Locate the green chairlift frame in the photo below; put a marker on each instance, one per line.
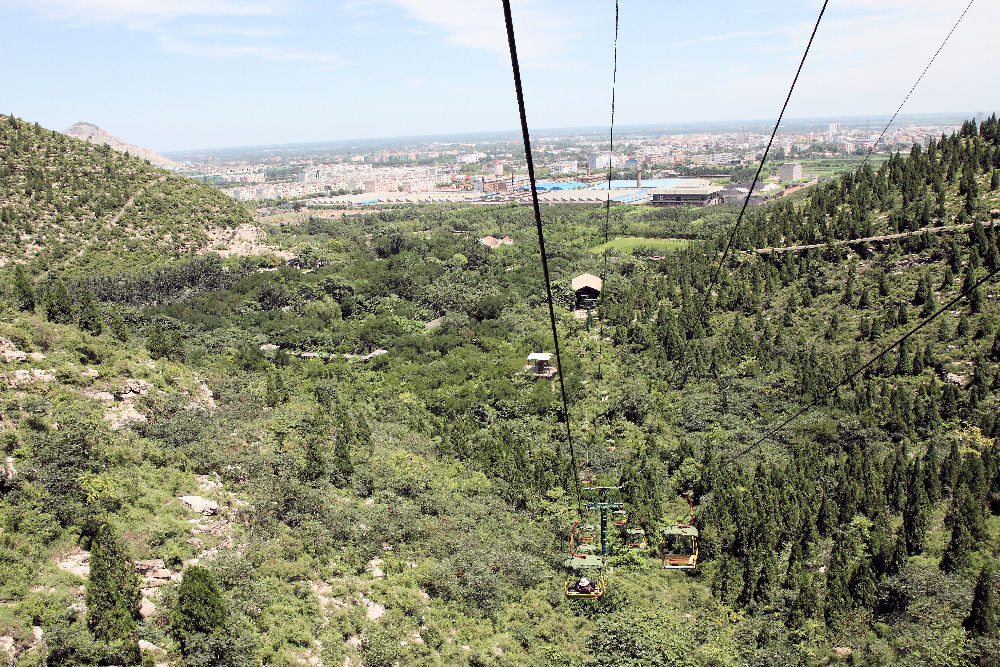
(583, 559)
(681, 561)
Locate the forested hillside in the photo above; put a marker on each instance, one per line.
(70, 205)
(215, 462)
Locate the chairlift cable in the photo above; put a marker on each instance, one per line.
(770, 434)
(607, 209)
(916, 83)
(526, 137)
(798, 413)
(763, 159)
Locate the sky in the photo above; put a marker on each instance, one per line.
(187, 74)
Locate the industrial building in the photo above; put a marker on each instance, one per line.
(686, 195)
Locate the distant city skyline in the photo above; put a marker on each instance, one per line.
(194, 74)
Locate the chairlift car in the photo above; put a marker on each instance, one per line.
(581, 570)
(635, 539)
(684, 531)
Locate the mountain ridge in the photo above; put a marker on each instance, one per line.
(93, 133)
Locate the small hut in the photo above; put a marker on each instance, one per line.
(541, 364)
(588, 289)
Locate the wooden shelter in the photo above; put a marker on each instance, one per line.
(588, 289)
(541, 364)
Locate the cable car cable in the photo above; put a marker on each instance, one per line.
(864, 367)
(919, 78)
(526, 137)
(763, 159)
(770, 434)
(607, 207)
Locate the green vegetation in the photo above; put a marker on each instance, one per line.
(291, 495)
(638, 246)
(69, 204)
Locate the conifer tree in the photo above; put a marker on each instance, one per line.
(199, 609)
(24, 291)
(948, 279)
(341, 467)
(865, 301)
(116, 323)
(89, 319)
(984, 619)
(112, 597)
(274, 391)
(58, 305)
(957, 556)
(916, 513)
(975, 301)
(156, 342)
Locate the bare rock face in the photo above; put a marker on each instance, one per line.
(201, 505)
(92, 134)
(123, 415)
(77, 562)
(147, 608)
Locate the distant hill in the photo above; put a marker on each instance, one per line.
(95, 135)
(82, 207)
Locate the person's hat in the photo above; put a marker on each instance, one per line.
(584, 581)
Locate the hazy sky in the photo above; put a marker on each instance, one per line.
(177, 74)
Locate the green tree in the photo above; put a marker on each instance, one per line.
(958, 554)
(199, 609)
(274, 391)
(341, 467)
(916, 514)
(24, 291)
(112, 597)
(116, 323)
(157, 343)
(89, 319)
(984, 619)
(58, 305)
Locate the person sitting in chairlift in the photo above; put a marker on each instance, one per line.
(585, 586)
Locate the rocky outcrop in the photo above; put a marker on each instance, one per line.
(92, 134)
(201, 505)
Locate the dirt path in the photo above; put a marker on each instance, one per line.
(884, 237)
(128, 202)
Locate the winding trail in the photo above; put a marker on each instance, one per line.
(884, 237)
(128, 202)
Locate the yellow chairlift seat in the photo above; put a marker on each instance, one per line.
(578, 568)
(635, 539)
(621, 517)
(679, 561)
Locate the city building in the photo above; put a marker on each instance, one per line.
(504, 184)
(604, 160)
(790, 171)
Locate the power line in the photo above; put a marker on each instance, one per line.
(763, 159)
(526, 137)
(919, 79)
(866, 366)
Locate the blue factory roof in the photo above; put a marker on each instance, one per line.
(545, 186)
